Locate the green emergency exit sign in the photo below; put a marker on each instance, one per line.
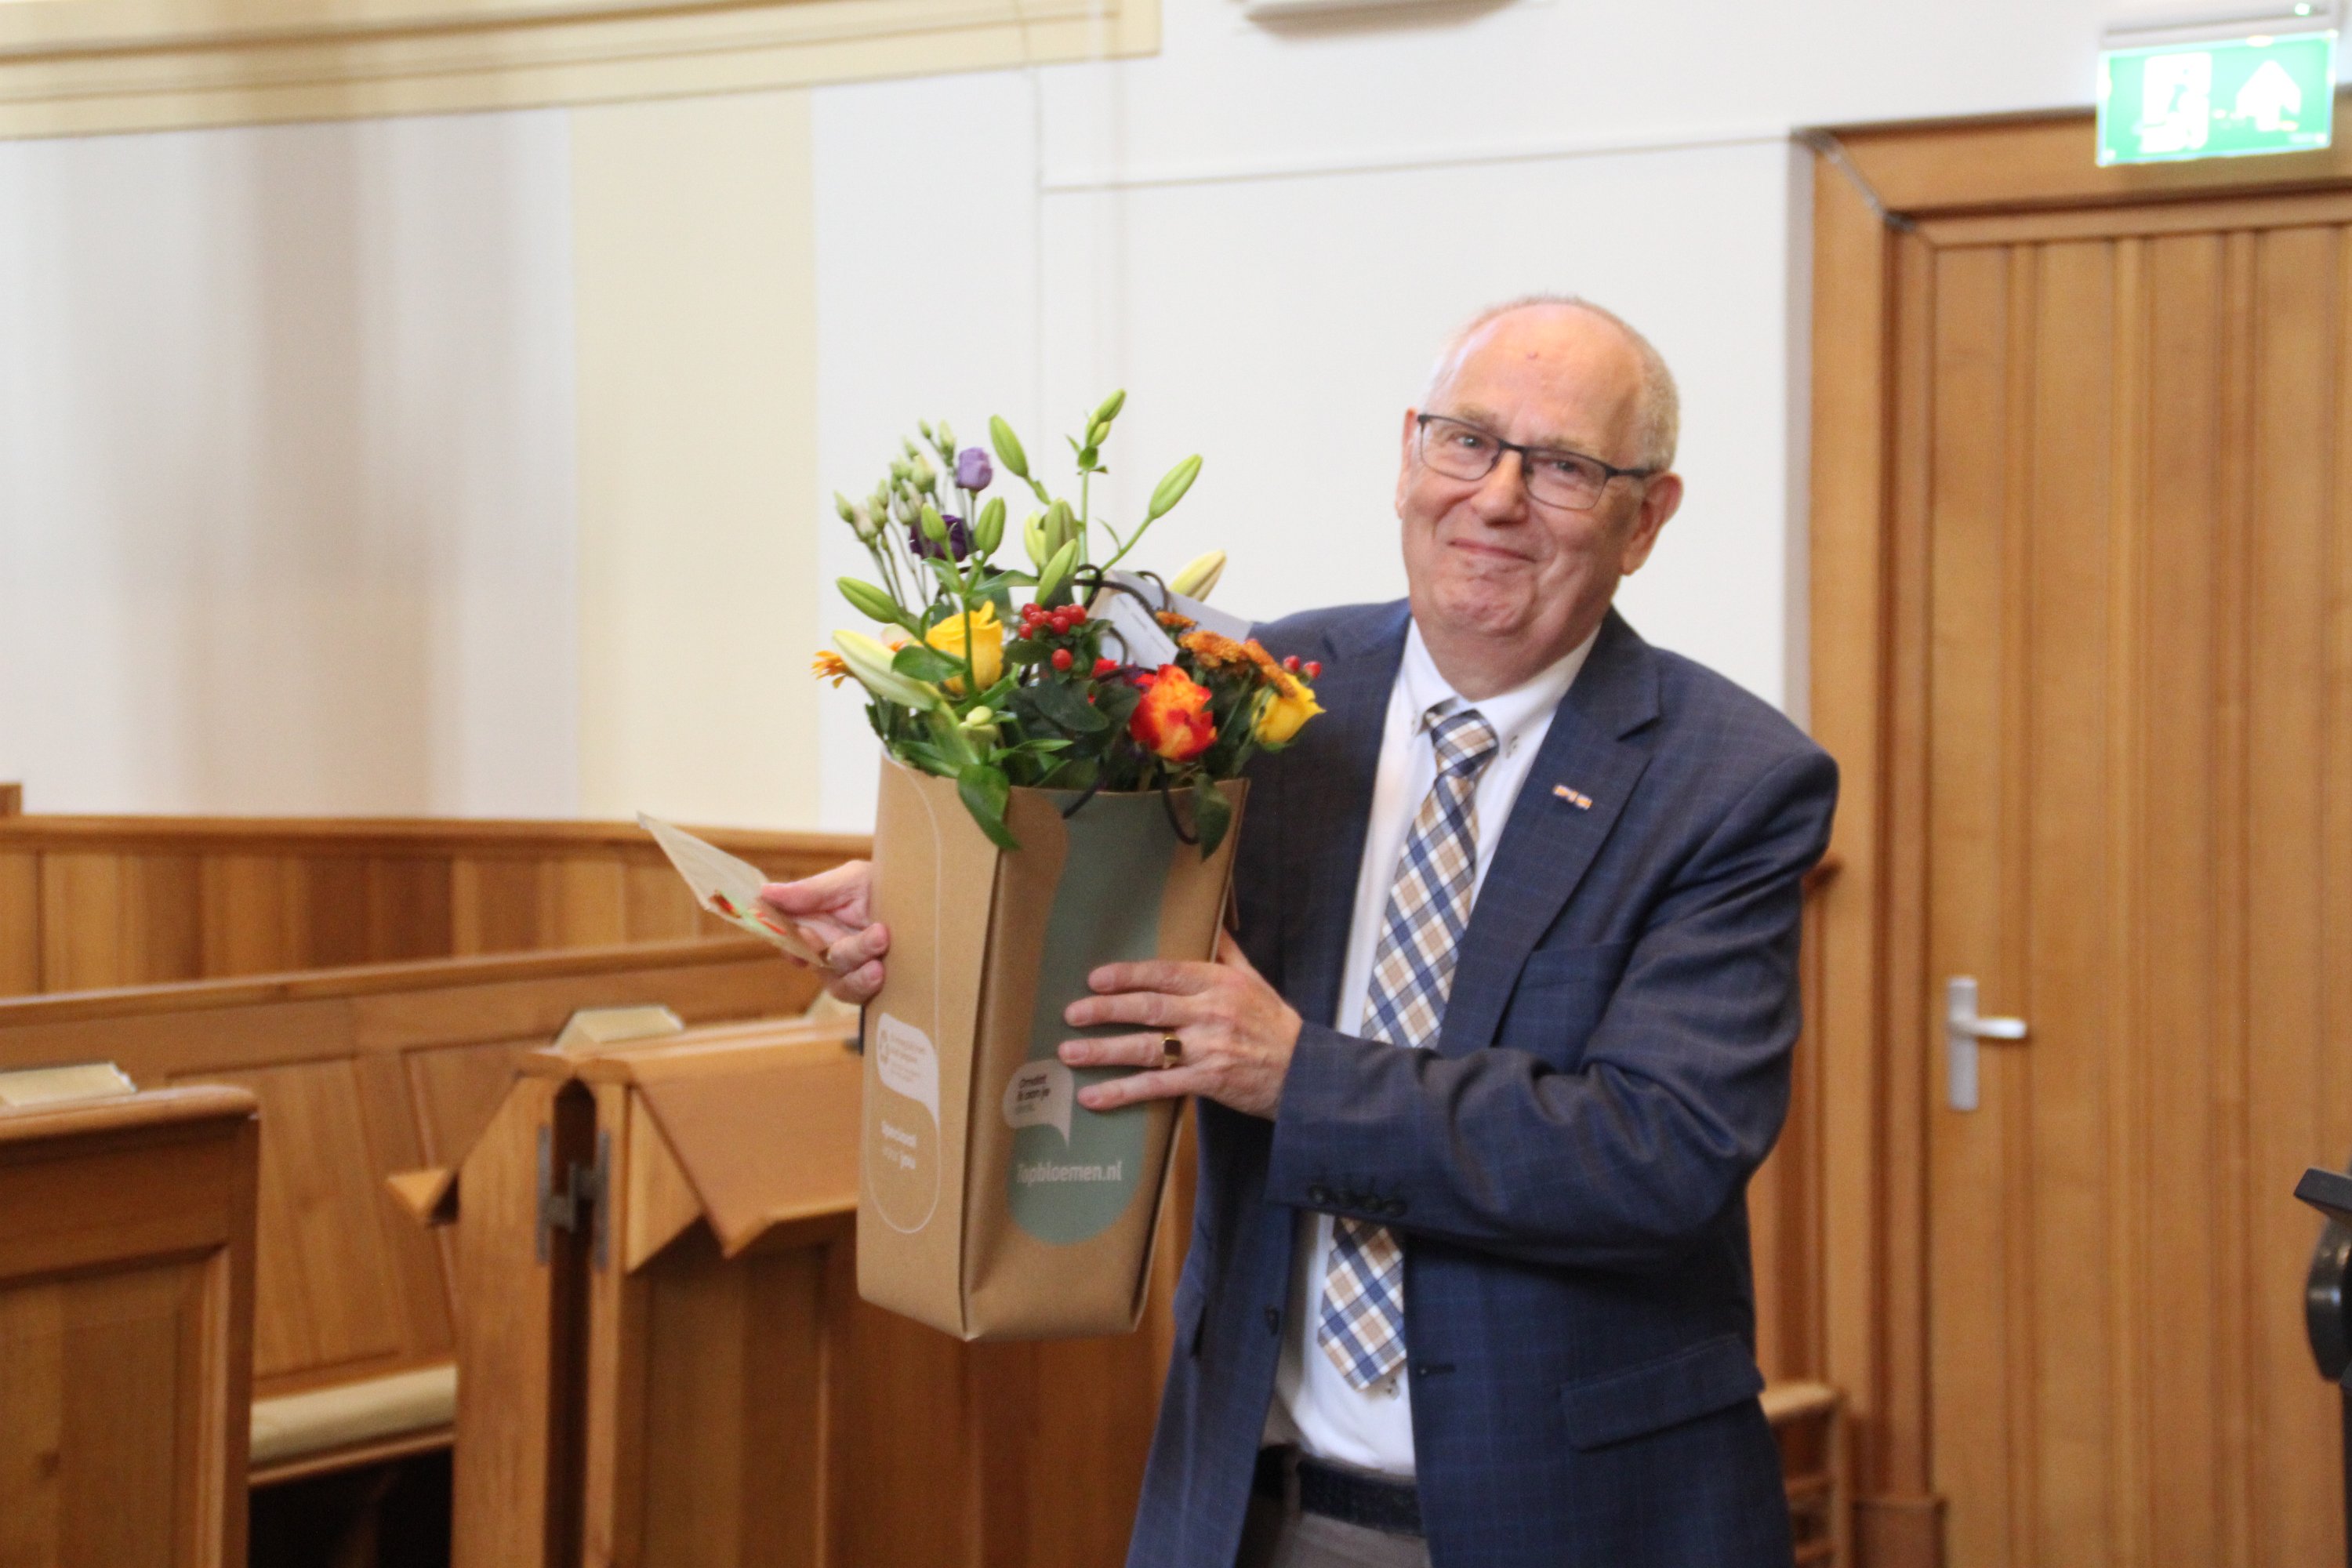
(2224, 99)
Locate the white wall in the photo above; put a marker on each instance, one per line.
(288, 460)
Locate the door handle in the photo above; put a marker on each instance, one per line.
(1962, 1030)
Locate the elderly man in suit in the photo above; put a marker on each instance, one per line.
(1505, 1035)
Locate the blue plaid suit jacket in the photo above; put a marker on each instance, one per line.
(1568, 1165)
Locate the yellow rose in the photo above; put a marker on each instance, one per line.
(1290, 703)
(987, 645)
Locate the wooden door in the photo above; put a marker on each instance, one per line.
(2127, 437)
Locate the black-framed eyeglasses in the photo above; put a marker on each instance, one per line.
(1554, 475)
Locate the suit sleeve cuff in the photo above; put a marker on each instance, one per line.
(1325, 1142)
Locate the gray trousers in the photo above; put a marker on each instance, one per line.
(1277, 1536)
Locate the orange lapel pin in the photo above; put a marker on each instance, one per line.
(1581, 801)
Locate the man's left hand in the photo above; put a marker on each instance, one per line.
(1237, 1032)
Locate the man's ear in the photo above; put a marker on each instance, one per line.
(1660, 502)
(1404, 454)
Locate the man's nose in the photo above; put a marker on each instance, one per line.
(1504, 497)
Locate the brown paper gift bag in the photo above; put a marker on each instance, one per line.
(990, 1205)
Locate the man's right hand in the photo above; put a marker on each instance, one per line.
(834, 910)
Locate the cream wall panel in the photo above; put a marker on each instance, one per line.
(286, 470)
(696, 324)
(927, 283)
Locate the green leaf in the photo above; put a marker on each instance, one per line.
(1117, 702)
(1077, 773)
(1064, 706)
(986, 793)
(924, 662)
(1212, 814)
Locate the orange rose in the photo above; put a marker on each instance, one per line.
(1173, 720)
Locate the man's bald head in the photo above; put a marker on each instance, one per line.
(1658, 423)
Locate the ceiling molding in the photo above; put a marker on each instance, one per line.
(87, 67)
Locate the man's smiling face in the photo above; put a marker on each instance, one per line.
(1484, 561)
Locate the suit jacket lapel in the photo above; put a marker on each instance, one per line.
(1549, 842)
(1330, 801)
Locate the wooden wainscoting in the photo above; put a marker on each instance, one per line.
(88, 903)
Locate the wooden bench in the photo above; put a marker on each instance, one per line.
(88, 903)
(360, 1073)
(126, 1295)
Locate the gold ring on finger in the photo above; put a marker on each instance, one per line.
(1172, 1051)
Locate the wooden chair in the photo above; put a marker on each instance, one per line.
(1809, 1420)
(126, 1306)
(690, 1344)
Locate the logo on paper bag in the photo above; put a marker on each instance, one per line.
(902, 1125)
(1068, 1181)
(1040, 1094)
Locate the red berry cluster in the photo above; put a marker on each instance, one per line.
(1040, 625)
(1313, 667)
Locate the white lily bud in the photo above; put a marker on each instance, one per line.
(1200, 575)
(870, 662)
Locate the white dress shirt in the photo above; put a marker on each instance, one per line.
(1314, 1406)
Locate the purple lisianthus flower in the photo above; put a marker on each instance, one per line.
(958, 546)
(973, 471)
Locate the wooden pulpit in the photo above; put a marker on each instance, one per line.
(663, 1361)
(126, 1328)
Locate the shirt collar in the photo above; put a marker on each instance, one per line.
(1513, 713)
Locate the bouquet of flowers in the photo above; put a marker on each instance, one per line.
(1031, 709)
(965, 686)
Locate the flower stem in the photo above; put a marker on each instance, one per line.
(1133, 540)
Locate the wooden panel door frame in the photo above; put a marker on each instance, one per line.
(1874, 187)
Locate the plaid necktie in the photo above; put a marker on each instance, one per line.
(1362, 1323)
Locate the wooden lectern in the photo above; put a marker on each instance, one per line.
(126, 1328)
(663, 1361)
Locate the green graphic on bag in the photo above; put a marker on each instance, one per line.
(1073, 1170)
